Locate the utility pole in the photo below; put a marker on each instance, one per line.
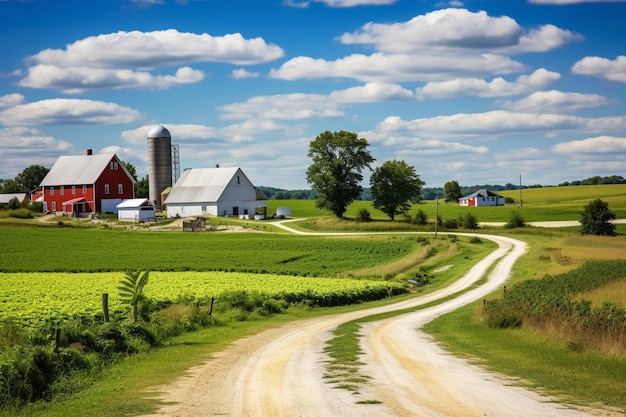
(436, 214)
(520, 191)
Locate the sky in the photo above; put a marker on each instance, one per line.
(476, 91)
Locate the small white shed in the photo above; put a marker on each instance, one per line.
(136, 209)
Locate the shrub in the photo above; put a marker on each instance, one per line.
(595, 219)
(420, 217)
(469, 221)
(21, 213)
(516, 220)
(364, 215)
(13, 204)
(451, 223)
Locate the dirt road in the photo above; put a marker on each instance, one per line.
(280, 372)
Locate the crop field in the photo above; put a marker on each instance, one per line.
(58, 296)
(63, 249)
(539, 204)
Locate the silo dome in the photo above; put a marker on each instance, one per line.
(159, 132)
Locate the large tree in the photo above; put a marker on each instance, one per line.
(595, 219)
(336, 172)
(452, 191)
(395, 185)
(26, 181)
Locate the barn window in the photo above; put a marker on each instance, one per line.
(237, 179)
(52, 190)
(61, 190)
(85, 189)
(54, 206)
(113, 165)
(120, 188)
(106, 188)
(73, 190)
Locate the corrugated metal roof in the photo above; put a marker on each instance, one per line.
(201, 185)
(5, 198)
(77, 169)
(482, 193)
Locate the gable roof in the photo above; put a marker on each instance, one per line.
(481, 193)
(135, 203)
(199, 185)
(78, 169)
(5, 198)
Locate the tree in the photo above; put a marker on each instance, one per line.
(30, 178)
(452, 191)
(130, 168)
(131, 289)
(335, 174)
(395, 185)
(595, 219)
(142, 188)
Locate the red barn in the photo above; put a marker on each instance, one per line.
(78, 185)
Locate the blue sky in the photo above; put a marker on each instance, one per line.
(477, 91)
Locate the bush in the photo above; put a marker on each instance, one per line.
(469, 221)
(364, 216)
(14, 204)
(420, 217)
(451, 223)
(516, 220)
(595, 219)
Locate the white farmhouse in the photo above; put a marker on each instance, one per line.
(216, 192)
(482, 197)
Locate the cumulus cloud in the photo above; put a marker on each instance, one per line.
(67, 111)
(372, 93)
(384, 68)
(242, 73)
(556, 101)
(124, 59)
(75, 80)
(500, 123)
(455, 29)
(597, 145)
(283, 106)
(614, 70)
(10, 100)
(159, 49)
(497, 87)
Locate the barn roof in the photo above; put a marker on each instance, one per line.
(77, 169)
(5, 198)
(482, 193)
(203, 184)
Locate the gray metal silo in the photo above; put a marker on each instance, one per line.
(159, 162)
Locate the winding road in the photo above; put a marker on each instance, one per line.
(281, 371)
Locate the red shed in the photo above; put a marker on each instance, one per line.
(78, 185)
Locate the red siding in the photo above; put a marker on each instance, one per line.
(113, 175)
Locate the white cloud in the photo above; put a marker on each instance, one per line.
(11, 100)
(371, 93)
(159, 49)
(500, 124)
(74, 80)
(283, 106)
(556, 101)
(456, 30)
(396, 68)
(67, 111)
(180, 132)
(498, 87)
(601, 67)
(242, 73)
(597, 145)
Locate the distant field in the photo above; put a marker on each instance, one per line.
(539, 204)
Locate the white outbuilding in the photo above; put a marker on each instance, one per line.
(482, 197)
(136, 209)
(215, 191)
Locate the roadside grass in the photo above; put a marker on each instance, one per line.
(534, 357)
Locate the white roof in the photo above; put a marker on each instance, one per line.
(202, 185)
(5, 198)
(158, 132)
(135, 203)
(77, 169)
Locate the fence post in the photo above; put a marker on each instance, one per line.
(105, 307)
(211, 308)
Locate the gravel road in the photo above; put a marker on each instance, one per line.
(280, 372)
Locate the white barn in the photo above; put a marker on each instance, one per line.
(136, 209)
(482, 197)
(216, 192)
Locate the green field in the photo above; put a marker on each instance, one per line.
(539, 204)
